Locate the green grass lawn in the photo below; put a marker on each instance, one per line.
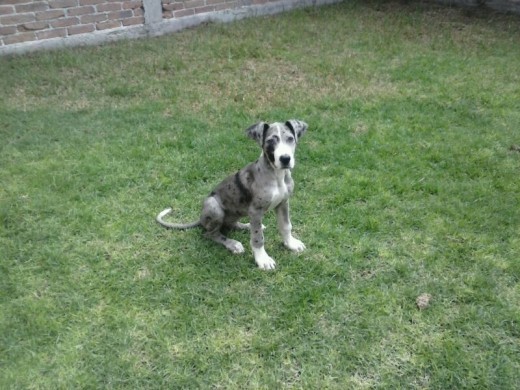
(407, 182)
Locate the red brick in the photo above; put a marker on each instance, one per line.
(132, 4)
(16, 19)
(65, 22)
(32, 26)
(89, 9)
(90, 2)
(63, 3)
(167, 14)
(8, 30)
(32, 7)
(83, 29)
(14, 1)
(52, 14)
(85, 19)
(207, 8)
(133, 21)
(184, 12)
(18, 38)
(193, 3)
(173, 6)
(54, 33)
(6, 9)
(120, 15)
(108, 24)
(139, 12)
(108, 7)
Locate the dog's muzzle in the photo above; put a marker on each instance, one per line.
(285, 161)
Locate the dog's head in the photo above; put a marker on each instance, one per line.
(278, 141)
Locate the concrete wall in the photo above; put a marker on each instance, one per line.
(29, 25)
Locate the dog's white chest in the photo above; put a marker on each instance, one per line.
(278, 195)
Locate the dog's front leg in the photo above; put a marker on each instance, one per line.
(285, 228)
(262, 259)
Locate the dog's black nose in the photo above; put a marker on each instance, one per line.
(285, 160)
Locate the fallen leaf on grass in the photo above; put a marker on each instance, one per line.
(423, 301)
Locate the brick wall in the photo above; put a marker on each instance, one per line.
(26, 20)
(33, 23)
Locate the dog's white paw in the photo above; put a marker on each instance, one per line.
(266, 263)
(263, 260)
(294, 244)
(235, 247)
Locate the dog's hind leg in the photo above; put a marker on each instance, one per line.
(212, 220)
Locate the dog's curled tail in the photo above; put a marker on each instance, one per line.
(169, 225)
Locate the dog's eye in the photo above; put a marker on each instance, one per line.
(290, 139)
(274, 139)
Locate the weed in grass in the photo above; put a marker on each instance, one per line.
(406, 183)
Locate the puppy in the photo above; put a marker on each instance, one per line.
(261, 186)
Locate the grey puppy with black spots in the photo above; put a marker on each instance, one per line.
(263, 185)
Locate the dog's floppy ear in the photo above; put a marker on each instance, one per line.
(297, 127)
(257, 132)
